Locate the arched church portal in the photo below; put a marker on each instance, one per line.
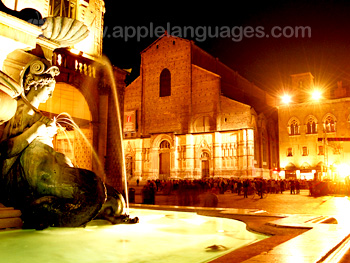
(164, 160)
(205, 164)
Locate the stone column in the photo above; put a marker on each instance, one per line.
(190, 155)
(217, 154)
(138, 158)
(250, 151)
(154, 161)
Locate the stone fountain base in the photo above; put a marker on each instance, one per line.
(10, 218)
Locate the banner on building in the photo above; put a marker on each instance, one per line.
(130, 121)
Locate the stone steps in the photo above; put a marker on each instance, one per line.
(10, 218)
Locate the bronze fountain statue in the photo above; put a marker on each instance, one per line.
(36, 179)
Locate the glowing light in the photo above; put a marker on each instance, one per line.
(343, 170)
(59, 59)
(286, 99)
(75, 51)
(316, 95)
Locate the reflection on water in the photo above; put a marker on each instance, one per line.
(161, 236)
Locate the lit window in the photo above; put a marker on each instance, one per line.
(289, 152)
(301, 84)
(66, 8)
(329, 124)
(59, 59)
(320, 150)
(165, 83)
(294, 127)
(311, 126)
(305, 153)
(337, 149)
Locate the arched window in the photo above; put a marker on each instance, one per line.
(164, 160)
(294, 127)
(329, 123)
(165, 83)
(205, 155)
(164, 145)
(311, 126)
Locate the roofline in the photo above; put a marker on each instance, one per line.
(302, 74)
(159, 38)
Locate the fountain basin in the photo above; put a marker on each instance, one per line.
(161, 236)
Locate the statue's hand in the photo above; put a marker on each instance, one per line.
(48, 127)
(51, 129)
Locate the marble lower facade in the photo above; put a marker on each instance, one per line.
(193, 156)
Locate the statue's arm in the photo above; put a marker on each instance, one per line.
(15, 145)
(12, 147)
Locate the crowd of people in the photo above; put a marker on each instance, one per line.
(187, 192)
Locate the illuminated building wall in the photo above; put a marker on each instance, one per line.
(314, 134)
(182, 119)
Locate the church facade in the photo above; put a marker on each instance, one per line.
(190, 116)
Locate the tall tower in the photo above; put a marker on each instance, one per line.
(301, 85)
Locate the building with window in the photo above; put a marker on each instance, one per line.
(189, 116)
(314, 131)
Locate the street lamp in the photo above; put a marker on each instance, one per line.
(286, 99)
(316, 95)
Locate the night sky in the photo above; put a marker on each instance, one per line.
(266, 61)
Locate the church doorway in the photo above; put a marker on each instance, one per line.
(164, 160)
(205, 164)
(129, 166)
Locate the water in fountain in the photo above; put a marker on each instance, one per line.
(65, 119)
(108, 67)
(161, 236)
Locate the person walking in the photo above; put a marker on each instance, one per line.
(292, 187)
(239, 187)
(260, 188)
(297, 186)
(281, 186)
(245, 188)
